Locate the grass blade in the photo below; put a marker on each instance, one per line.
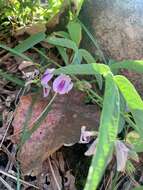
(36, 125)
(11, 78)
(30, 42)
(14, 52)
(94, 41)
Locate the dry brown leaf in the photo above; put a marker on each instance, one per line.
(31, 29)
(61, 126)
(25, 64)
(35, 28)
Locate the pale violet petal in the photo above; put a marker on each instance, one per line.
(46, 91)
(92, 149)
(121, 155)
(47, 76)
(69, 87)
(62, 84)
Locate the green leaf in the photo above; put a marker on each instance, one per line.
(15, 52)
(11, 78)
(63, 54)
(123, 109)
(84, 69)
(133, 100)
(129, 92)
(62, 42)
(87, 56)
(30, 42)
(62, 34)
(136, 65)
(74, 29)
(138, 188)
(134, 139)
(76, 58)
(90, 59)
(79, 5)
(107, 133)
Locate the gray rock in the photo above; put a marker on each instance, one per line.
(117, 25)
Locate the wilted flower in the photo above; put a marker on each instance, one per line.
(85, 136)
(121, 155)
(62, 84)
(30, 75)
(47, 76)
(92, 149)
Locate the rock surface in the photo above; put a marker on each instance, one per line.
(61, 126)
(117, 25)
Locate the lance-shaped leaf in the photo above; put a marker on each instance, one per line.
(15, 52)
(11, 78)
(63, 42)
(133, 100)
(74, 29)
(84, 69)
(30, 42)
(133, 65)
(107, 133)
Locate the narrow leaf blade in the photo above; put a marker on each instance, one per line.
(62, 42)
(13, 51)
(30, 42)
(133, 100)
(133, 65)
(11, 78)
(107, 133)
(83, 69)
(74, 29)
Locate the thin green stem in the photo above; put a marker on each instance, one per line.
(130, 122)
(46, 109)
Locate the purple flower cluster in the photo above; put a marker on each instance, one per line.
(61, 85)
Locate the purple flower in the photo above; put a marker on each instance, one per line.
(47, 76)
(62, 84)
